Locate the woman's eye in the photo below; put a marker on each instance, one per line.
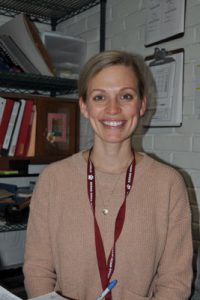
(127, 97)
(98, 98)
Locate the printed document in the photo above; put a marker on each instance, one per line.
(6, 295)
(164, 77)
(164, 19)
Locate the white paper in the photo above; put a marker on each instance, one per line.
(6, 295)
(166, 110)
(164, 77)
(164, 19)
(2, 106)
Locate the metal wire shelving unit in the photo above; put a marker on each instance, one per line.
(51, 12)
(46, 11)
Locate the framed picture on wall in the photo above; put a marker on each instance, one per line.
(165, 20)
(57, 127)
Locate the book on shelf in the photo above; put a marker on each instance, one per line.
(26, 35)
(36, 168)
(24, 192)
(5, 194)
(6, 197)
(9, 187)
(17, 55)
(16, 131)
(5, 294)
(35, 35)
(8, 172)
(24, 129)
(28, 137)
(6, 201)
(7, 64)
(22, 203)
(10, 128)
(5, 120)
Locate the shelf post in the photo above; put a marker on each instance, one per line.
(53, 24)
(102, 25)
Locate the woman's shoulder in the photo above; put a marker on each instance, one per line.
(67, 165)
(150, 164)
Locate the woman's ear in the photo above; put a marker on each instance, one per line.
(143, 106)
(83, 107)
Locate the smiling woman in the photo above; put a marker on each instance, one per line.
(109, 212)
(113, 105)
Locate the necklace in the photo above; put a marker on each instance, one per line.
(106, 188)
(106, 268)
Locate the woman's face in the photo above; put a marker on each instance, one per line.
(113, 106)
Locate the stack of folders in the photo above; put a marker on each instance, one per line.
(14, 203)
(17, 127)
(6, 197)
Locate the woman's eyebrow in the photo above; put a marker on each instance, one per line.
(111, 88)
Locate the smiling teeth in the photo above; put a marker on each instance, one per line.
(113, 123)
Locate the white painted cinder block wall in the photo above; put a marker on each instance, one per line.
(125, 21)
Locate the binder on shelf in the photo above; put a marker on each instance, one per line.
(28, 137)
(10, 128)
(26, 36)
(13, 143)
(5, 120)
(165, 107)
(31, 146)
(24, 128)
(2, 106)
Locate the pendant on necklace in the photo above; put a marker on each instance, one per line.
(105, 211)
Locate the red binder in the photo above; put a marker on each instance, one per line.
(24, 129)
(5, 120)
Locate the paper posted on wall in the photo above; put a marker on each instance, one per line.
(6, 295)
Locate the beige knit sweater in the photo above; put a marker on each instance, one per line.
(153, 253)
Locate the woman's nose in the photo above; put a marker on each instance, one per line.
(113, 106)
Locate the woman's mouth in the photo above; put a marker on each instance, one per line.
(113, 123)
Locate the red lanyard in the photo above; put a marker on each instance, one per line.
(106, 269)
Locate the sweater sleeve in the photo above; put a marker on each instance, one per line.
(174, 274)
(38, 268)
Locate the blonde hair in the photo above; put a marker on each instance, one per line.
(106, 59)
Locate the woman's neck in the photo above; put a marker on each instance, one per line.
(112, 159)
